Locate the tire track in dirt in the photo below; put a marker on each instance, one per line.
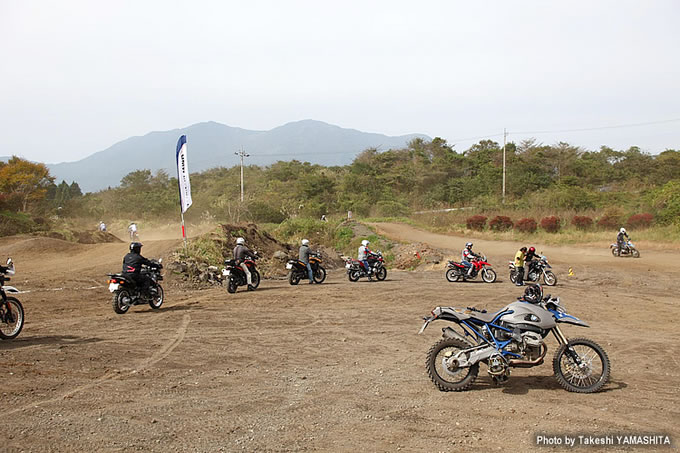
(161, 354)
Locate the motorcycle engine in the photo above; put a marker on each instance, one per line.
(531, 345)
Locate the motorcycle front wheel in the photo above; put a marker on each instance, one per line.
(452, 275)
(381, 274)
(489, 275)
(353, 275)
(581, 366)
(442, 373)
(11, 319)
(157, 299)
(549, 278)
(635, 253)
(121, 301)
(293, 277)
(319, 275)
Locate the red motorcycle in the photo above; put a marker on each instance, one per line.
(456, 271)
(233, 276)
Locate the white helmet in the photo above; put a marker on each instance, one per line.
(240, 241)
(365, 242)
(468, 245)
(623, 230)
(305, 242)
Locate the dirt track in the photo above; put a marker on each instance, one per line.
(335, 367)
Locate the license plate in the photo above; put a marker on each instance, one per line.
(113, 287)
(348, 266)
(225, 272)
(289, 266)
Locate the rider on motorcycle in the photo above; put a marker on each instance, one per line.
(303, 256)
(622, 239)
(467, 256)
(364, 252)
(241, 252)
(529, 260)
(132, 265)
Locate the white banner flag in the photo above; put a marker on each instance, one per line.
(183, 174)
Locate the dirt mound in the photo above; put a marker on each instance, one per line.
(418, 256)
(83, 237)
(39, 244)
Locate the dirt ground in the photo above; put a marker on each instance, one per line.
(332, 367)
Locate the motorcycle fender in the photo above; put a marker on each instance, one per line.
(448, 332)
(11, 289)
(572, 320)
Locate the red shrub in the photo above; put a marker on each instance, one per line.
(500, 223)
(551, 224)
(640, 220)
(476, 222)
(582, 222)
(527, 225)
(609, 222)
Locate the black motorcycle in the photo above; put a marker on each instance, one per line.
(376, 264)
(297, 270)
(537, 268)
(233, 276)
(126, 292)
(11, 310)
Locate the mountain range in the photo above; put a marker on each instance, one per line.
(212, 144)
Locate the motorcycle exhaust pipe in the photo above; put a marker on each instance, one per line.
(519, 363)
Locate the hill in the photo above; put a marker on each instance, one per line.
(213, 144)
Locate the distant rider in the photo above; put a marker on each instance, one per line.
(303, 256)
(529, 260)
(102, 226)
(622, 239)
(241, 252)
(132, 229)
(132, 265)
(467, 256)
(519, 266)
(364, 253)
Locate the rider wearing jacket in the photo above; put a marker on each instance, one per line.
(529, 260)
(303, 255)
(364, 252)
(519, 266)
(132, 265)
(467, 256)
(241, 252)
(622, 239)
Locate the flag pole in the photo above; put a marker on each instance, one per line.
(184, 232)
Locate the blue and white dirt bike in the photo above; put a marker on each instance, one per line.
(513, 337)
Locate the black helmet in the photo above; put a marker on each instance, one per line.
(136, 247)
(533, 294)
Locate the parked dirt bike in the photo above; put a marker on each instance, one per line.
(456, 271)
(513, 337)
(627, 250)
(297, 270)
(11, 310)
(126, 292)
(356, 269)
(234, 276)
(538, 268)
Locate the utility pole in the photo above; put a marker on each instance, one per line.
(242, 154)
(505, 134)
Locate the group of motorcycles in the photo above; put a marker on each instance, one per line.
(538, 270)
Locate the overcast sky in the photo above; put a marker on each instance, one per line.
(78, 76)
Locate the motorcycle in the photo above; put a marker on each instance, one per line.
(376, 267)
(297, 270)
(537, 268)
(456, 271)
(513, 337)
(234, 276)
(11, 310)
(126, 292)
(627, 250)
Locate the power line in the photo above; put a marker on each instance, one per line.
(619, 126)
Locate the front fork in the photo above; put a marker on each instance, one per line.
(561, 339)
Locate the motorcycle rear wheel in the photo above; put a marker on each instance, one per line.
(293, 277)
(10, 329)
(319, 275)
(121, 301)
(353, 275)
(445, 379)
(255, 278)
(452, 275)
(156, 301)
(381, 274)
(549, 278)
(231, 286)
(488, 275)
(616, 251)
(513, 277)
(589, 377)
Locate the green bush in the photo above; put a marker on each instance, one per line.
(263, 212)
(15, 223)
